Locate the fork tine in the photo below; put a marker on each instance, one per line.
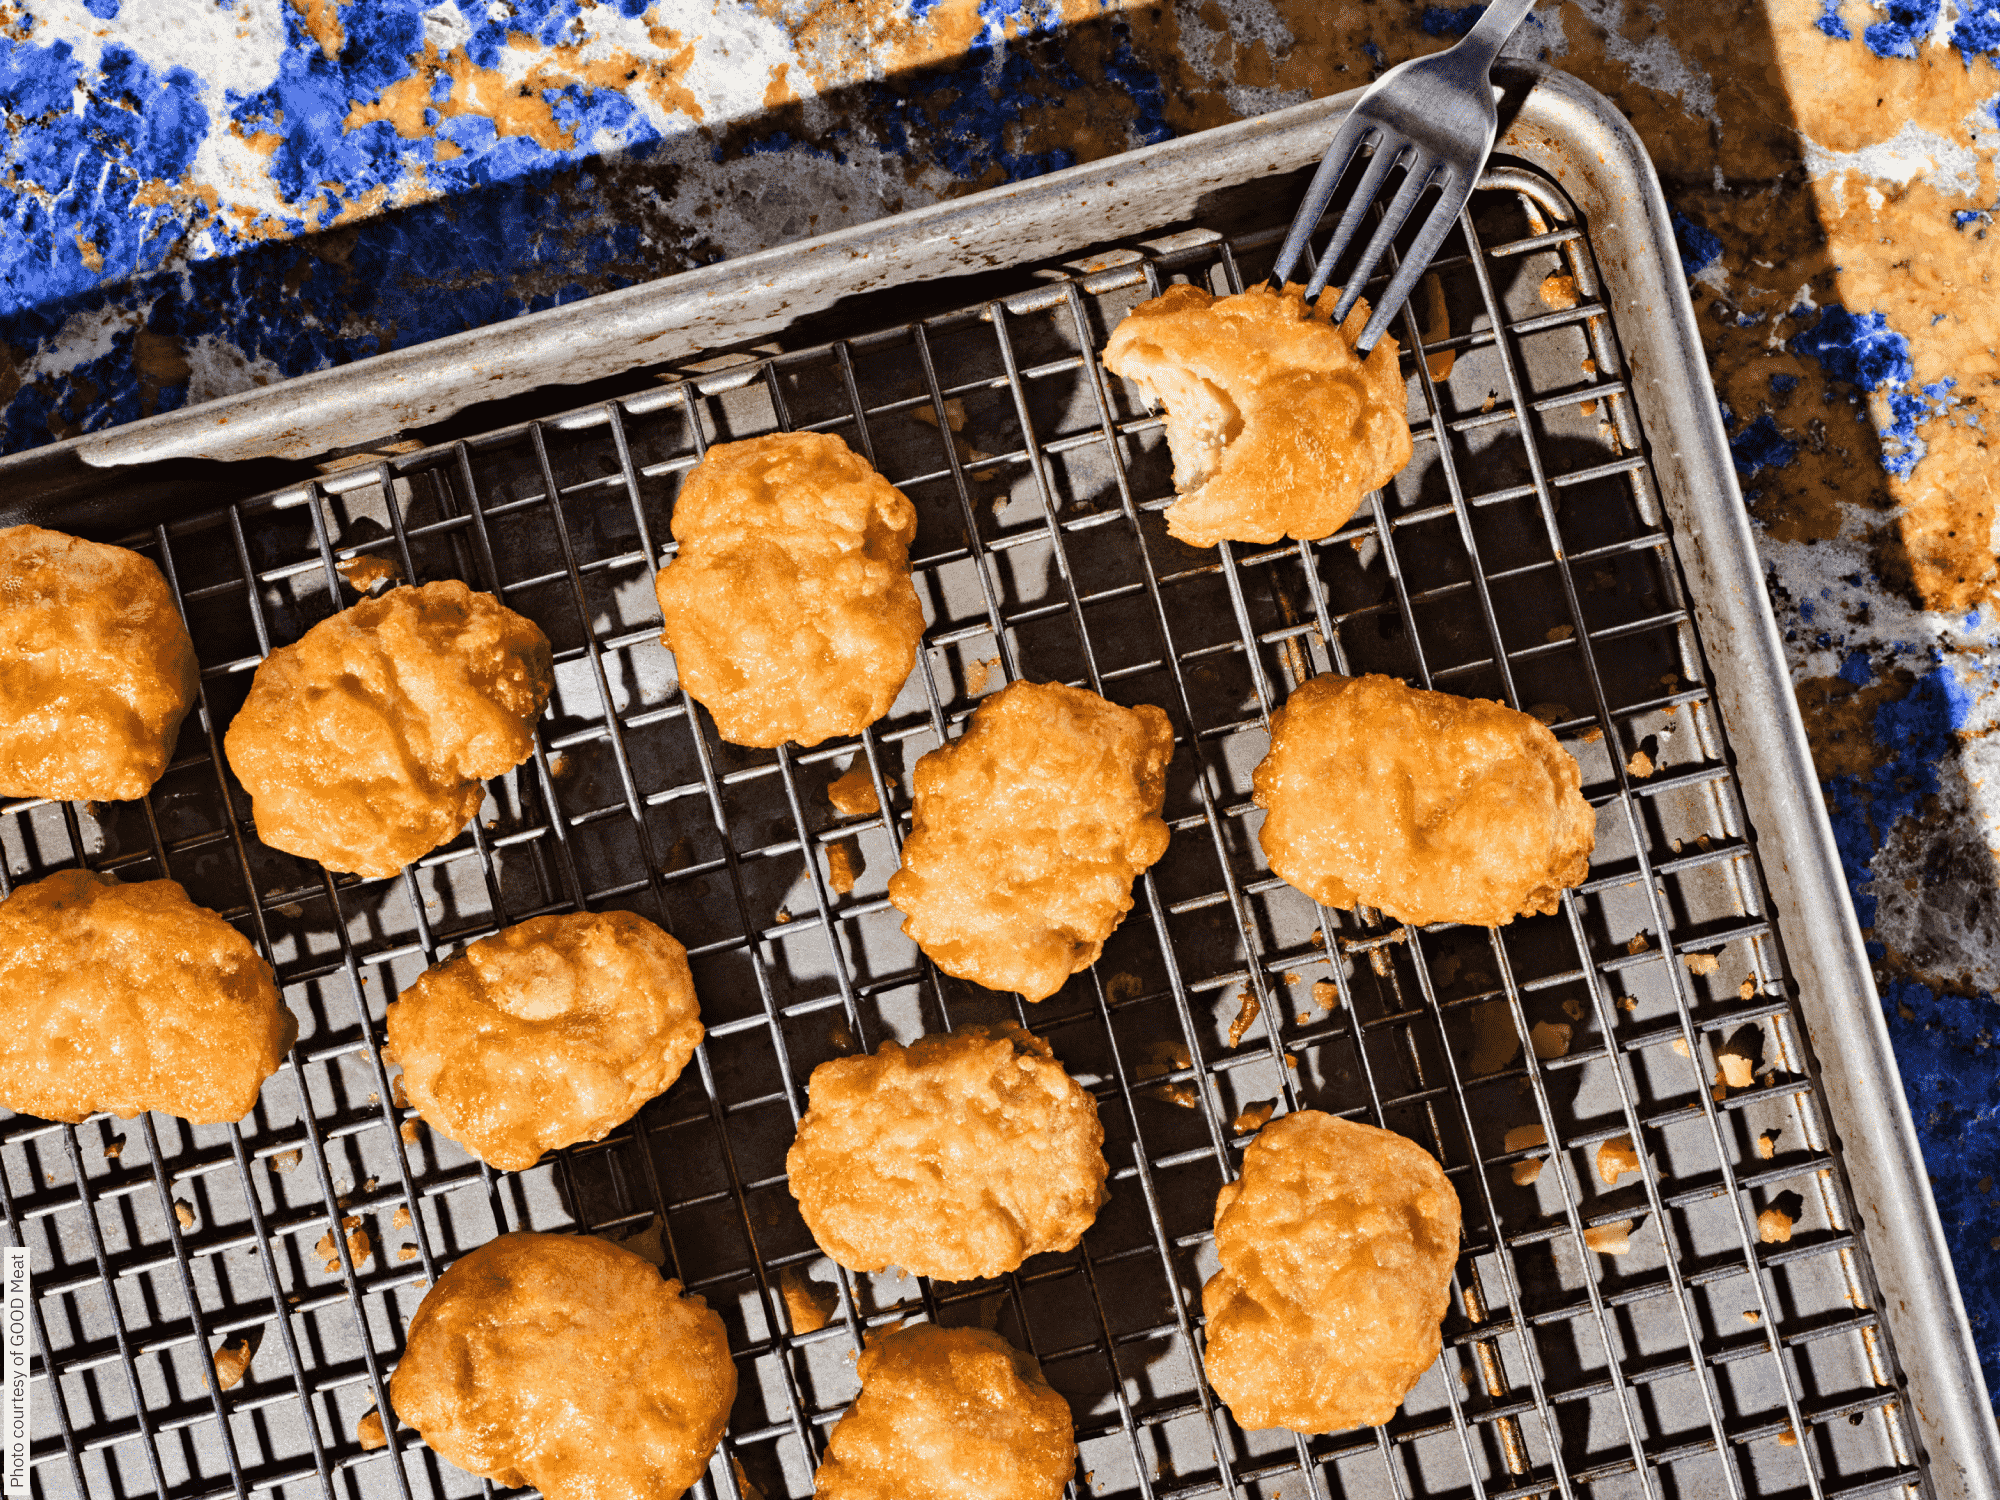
(1348, 141)
(1387, 152)
(1393, 217)
(1423, 249)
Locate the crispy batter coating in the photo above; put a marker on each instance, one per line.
(363, 745)
(564, 1362)
(1432, 807)
(128, 998)
(551, 1032)
(1026, 834)
(96, 669)
(1277, 428)
(1336, 1246)
(789, 607)
(949, 1414)
(956, 1157)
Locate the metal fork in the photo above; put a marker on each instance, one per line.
(1436, 116)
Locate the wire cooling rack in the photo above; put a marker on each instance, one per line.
(1700, 1323)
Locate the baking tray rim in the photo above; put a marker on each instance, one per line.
(1559, 125)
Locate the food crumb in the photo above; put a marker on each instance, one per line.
(1550, 1039)
(1736, 1059)
(1124, 987)
(1593, 734)
(1164, 1058)
(1247, 1010)
(1681, 1045)
(368, 1431)
(1752, 1316)
(406, 1252)
(1573, 1008)
(397, 1096)
(285, 1161)
(1254, 1117)
(853, 792)
(1558, 292)
(1774, 1226)
(1610, 1239)
(1640, 765)
(1615, 1158)
(954, 414)
(1520, 1138)
(843, 864)
(1788, 1439)
(400, 1219)
(1326, 994)
(1549, 713)
(808, 1303)
(183, 1214)
(114, 1148)
(1701, 963)
(232, 1362)
(409, 1132)
(1638, 943)
(1560, 633)
(1767, 1144)
(367, 573)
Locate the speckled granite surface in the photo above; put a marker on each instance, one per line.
(197, 197)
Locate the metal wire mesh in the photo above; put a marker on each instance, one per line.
(1701, 1324)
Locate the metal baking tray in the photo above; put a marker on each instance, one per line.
(1568, 538)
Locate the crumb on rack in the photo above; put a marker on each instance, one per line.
(1616, 1158)
(1610, 1239)
(1253, 1117)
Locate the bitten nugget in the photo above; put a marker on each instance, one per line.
(96, 669)
(1026, 834)
(789, 607)
(949, 1412)
(128, 998)
(1432, 807)
(554, 1031)
(956, 1157)
(564, 1362)
(363, 746)
(1277, 427)
(1336, 1246)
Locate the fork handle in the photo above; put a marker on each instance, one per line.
(1489, 33)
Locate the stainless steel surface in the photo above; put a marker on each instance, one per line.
(1431, 118)
(1567, 537)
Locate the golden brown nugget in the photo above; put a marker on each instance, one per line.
(1027, 832)
(1432, 807)
(566, 1363)
(1336, 1245)
(1277, 427)
(96, 669)
(554, 1031)
(789, 607)
(949, 1414)
(128, 998)
(363, 746)
(956, 1157)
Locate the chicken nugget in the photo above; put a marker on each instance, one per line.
(564, 1362)
(1432, 807)
(96, 669)
(1277, 427)
(1026, 834)
(554, 1031)
(128, 998)
(949, 1414)
(956, 1157)
(789, 607)
(364, 744)
(1336, 1244)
